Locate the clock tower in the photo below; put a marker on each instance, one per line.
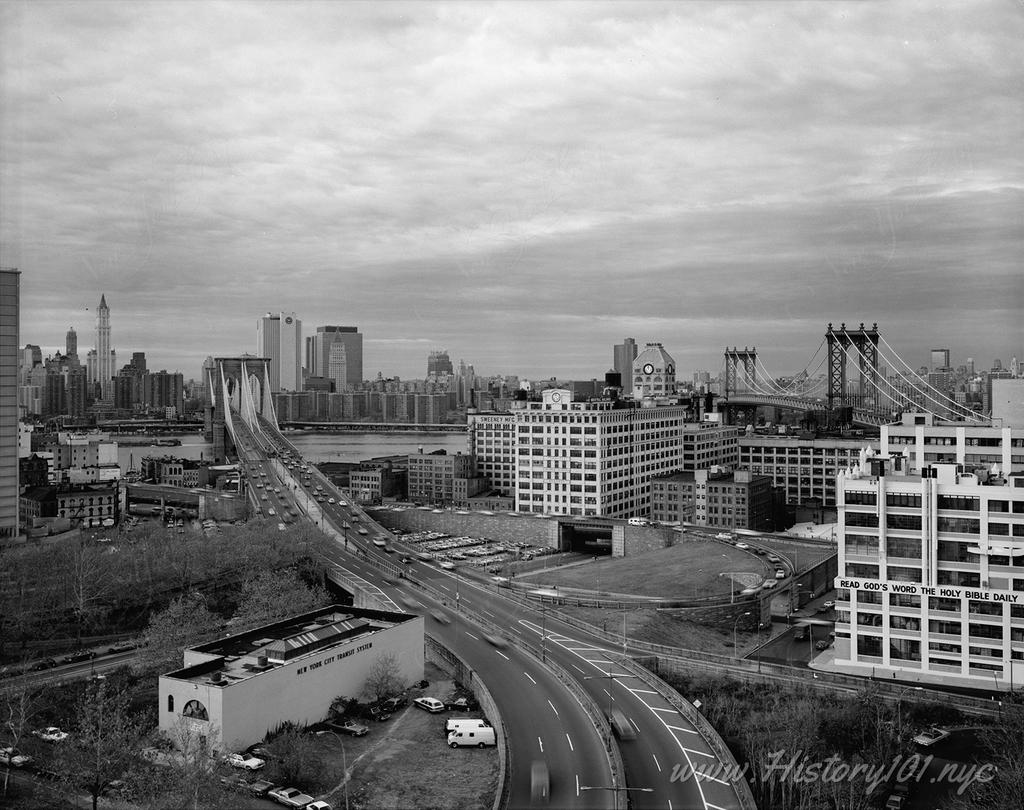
(654, 373)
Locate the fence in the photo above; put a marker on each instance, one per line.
(439, 654)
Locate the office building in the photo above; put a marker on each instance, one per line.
(232, 691)
(654, 373)
(940, 359)
(337, 366)
(930, 573)
(623, 355)
(431, 476)
(318, 355)
(71, 344)
(279, 338)
(439, 363)
(1008, 403)
(10, 302)
(718, 497)
(101, 362)
(491, 441)
(925, 440)
(804, 468)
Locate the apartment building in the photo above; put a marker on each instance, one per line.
(718, 497)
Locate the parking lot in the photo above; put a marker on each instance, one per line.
(448, 551)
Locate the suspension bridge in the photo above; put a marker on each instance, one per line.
(852, 390)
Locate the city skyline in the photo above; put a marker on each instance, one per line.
(521, 185)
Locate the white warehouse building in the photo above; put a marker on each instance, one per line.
(232, 691)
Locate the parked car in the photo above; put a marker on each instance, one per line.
(828, 604)
(742, 546)
(429, 704)
(234, 783)
(379, 714)
(78, 657)
(46, 663)
(349, 727)
(461, 705)
(8, 756)
(50, 734)
(246, 761)
(931, 736)
(318, 805)
(261, 787)
(480, 737)
(780, 574)
(393, 704)
(289, 797)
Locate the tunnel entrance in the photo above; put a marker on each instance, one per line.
(586, 538)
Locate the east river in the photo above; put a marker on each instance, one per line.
(315, 446)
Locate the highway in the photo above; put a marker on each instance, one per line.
(521, 686)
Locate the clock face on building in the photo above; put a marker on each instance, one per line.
(671, 369)
(556, 397)
(648, 369)
(288, 319)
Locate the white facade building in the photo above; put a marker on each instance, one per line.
(931, 574)
(927, 440)
(279, 338)
(231, 692)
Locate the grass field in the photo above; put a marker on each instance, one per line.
(686, 570)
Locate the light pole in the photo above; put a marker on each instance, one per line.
(735, 624)
(899, 707)
(615, 791)
(611, 676)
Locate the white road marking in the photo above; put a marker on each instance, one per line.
(679, 728)
(702, 753)
(488, 613)
(503, 655)
(577, 784)
(540, 742)
(713, 779)
(528, 675)
(657, 764)
(472, 636)
(579, 669)
(552, 705)
(570, 741)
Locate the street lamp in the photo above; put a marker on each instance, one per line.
(734, 626)
(611, 676)
(615, 791)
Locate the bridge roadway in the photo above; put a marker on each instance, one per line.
(535, 703)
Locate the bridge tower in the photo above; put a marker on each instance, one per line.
(864, 343)
(239, 387)
(733, 359)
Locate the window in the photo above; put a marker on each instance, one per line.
(958, 502)
(861, 519)
(170, 703)
(943, 603)
(869, 645)
(912, 522)
(195, 709)
(960, 525)
(903, 547)
(903, 499)
(862, 498)
(901, 574)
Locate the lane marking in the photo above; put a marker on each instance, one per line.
(577, 784)
(540, 742)
(528, 675)
(680, 728)
(471, 635)
(713, 779)
(579, 669)
(657, 764)
(570, 741)
(503, 655)
(552, 705)
(702, 753)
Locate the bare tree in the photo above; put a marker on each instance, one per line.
(385, 678)
(103, 743)
(274, 595)
(185, 622)
(17, 708)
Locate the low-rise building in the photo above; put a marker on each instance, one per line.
(432, 476)
(232, 691)
(719, 498)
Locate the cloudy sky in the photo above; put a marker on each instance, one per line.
(523, 184)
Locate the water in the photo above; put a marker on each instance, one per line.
(315, 446)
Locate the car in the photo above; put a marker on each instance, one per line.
(723, 536)
(461, 705)
(780, 574)
(350, 727)
(496, 640)
(271, 512)
(931, 736)
(8, 756)
(829, 604)
(768, 584)
(78, 657)
(379, 713)
(245, 761)
(429, 704)
(540, 782)
(801, 633)
(50, 734)
(46, 663)
(393, 704)
(742, 546)
(261, 787)
(824, 644)
(406, 560)
(894, 802)
(234, 783)
(620, 724)
(318, 805)
(330, 500)
(289, 797)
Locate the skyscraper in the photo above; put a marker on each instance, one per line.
(71, 343)
(101, 363)
(9, 305)
(279, 338)
(318, 351)
(337, 366)
(439, 363)
(623, 356)
(940, 359)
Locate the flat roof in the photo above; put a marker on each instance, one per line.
(245, 655)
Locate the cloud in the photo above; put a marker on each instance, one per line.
(515, 181)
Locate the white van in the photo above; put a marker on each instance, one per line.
(462, 723)
(637, 522)
(479, 737)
